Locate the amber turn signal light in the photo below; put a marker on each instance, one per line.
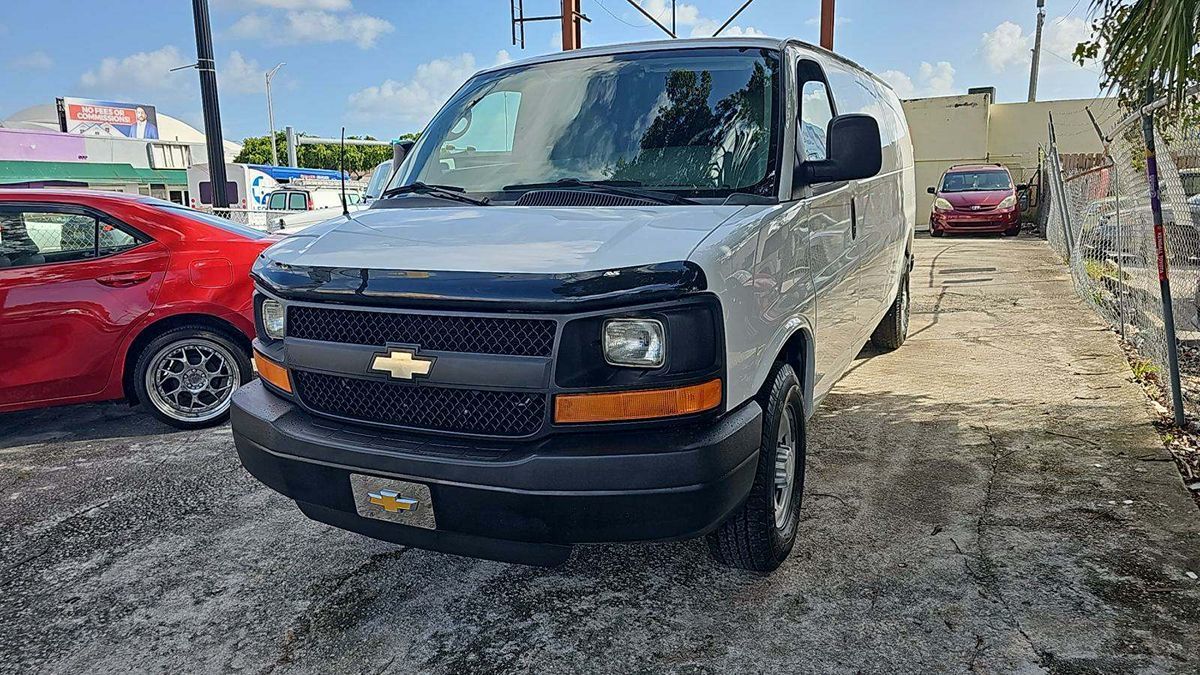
(637, 405)
(272, 372)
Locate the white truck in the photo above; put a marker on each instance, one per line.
(598, 303)
(247, 187)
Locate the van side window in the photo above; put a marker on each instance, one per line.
(859, 93)
(488, 126)
(815, 114)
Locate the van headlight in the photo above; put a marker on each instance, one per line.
(942, 204)
(1008, 202)
(273, 319)
(635, 343)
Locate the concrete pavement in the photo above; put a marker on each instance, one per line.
(990, 497)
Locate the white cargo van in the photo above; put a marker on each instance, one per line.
(598, 303)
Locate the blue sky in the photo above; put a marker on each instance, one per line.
(384, 66)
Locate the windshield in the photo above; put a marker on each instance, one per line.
(696, 122)
(971, 181)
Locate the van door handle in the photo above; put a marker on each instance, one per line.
(853, 218)
(124, 279)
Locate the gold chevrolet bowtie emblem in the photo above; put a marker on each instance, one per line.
(391, 501)
(402, 364)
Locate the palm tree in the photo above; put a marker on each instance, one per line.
(1146, 44)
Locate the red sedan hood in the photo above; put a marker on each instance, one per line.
(984, 198)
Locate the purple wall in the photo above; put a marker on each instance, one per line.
(41, 146)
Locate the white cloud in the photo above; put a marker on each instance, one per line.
(36, 60)
(937, 79)
(411, 103)
(900, 82)
(689, 18)
(933, 79)
(328, 5)
(240, 75)
(309, 26)
(1063, 34)
(838, 20)
(1010, 46)
(1005, 46)
(137, 73)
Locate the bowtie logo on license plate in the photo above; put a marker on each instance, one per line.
(391, 501)
(402, 363)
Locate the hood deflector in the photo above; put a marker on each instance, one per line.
(495, 292)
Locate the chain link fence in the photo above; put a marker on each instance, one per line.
(1100, 219)
(266, 220)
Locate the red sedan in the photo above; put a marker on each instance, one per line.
(107, 296)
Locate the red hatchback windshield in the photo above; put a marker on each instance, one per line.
(976, 181)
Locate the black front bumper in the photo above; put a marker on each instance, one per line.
(521, 502)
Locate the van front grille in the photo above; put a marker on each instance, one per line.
(423, 406)
(434, 332)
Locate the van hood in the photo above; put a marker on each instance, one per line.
(504, 239)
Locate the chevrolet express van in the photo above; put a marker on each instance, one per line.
(597, 303)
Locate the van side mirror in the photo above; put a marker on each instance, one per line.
(853, 151)
(931, 190)
(400, 151)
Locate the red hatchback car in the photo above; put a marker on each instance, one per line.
(107, 296)
(975, 198)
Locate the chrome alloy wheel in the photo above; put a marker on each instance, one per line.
(192, 380)
(785, 466)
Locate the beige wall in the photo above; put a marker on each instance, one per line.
(950, 130)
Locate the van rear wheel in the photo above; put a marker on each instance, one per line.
(891, 332)
(760, 534)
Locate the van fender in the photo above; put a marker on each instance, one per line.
(792, 342)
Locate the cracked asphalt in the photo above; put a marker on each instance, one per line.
(992, 497)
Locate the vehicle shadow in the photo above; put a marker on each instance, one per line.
(84, 422)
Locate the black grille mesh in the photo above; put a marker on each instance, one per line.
(450, 333)
(498, 413)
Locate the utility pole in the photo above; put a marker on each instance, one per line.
(572, 35)
(212, 109)
(827, 14)
(1037, 51)
(271, 115)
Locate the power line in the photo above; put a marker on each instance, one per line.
(613, 15)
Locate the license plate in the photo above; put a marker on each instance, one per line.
(395, 501)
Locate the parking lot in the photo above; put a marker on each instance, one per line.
(990, 497)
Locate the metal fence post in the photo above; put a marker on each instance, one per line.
(1116, 179)
(1160, 250)
(290, 134)
(1060, 191)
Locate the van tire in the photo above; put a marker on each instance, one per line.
(203, 349)
(891, 332)
(755, 538)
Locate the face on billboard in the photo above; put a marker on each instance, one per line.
(90, 117)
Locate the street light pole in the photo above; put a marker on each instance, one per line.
(1037, 51)
(271, 115)
(212, 109)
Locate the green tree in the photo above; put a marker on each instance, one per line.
(1146, 43)
(360, 159)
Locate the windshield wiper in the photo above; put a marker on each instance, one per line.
(616, 187)
(451, 192)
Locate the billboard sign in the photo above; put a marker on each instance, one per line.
(89, 117)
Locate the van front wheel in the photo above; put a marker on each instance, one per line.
(760, 534)
(890, 332)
